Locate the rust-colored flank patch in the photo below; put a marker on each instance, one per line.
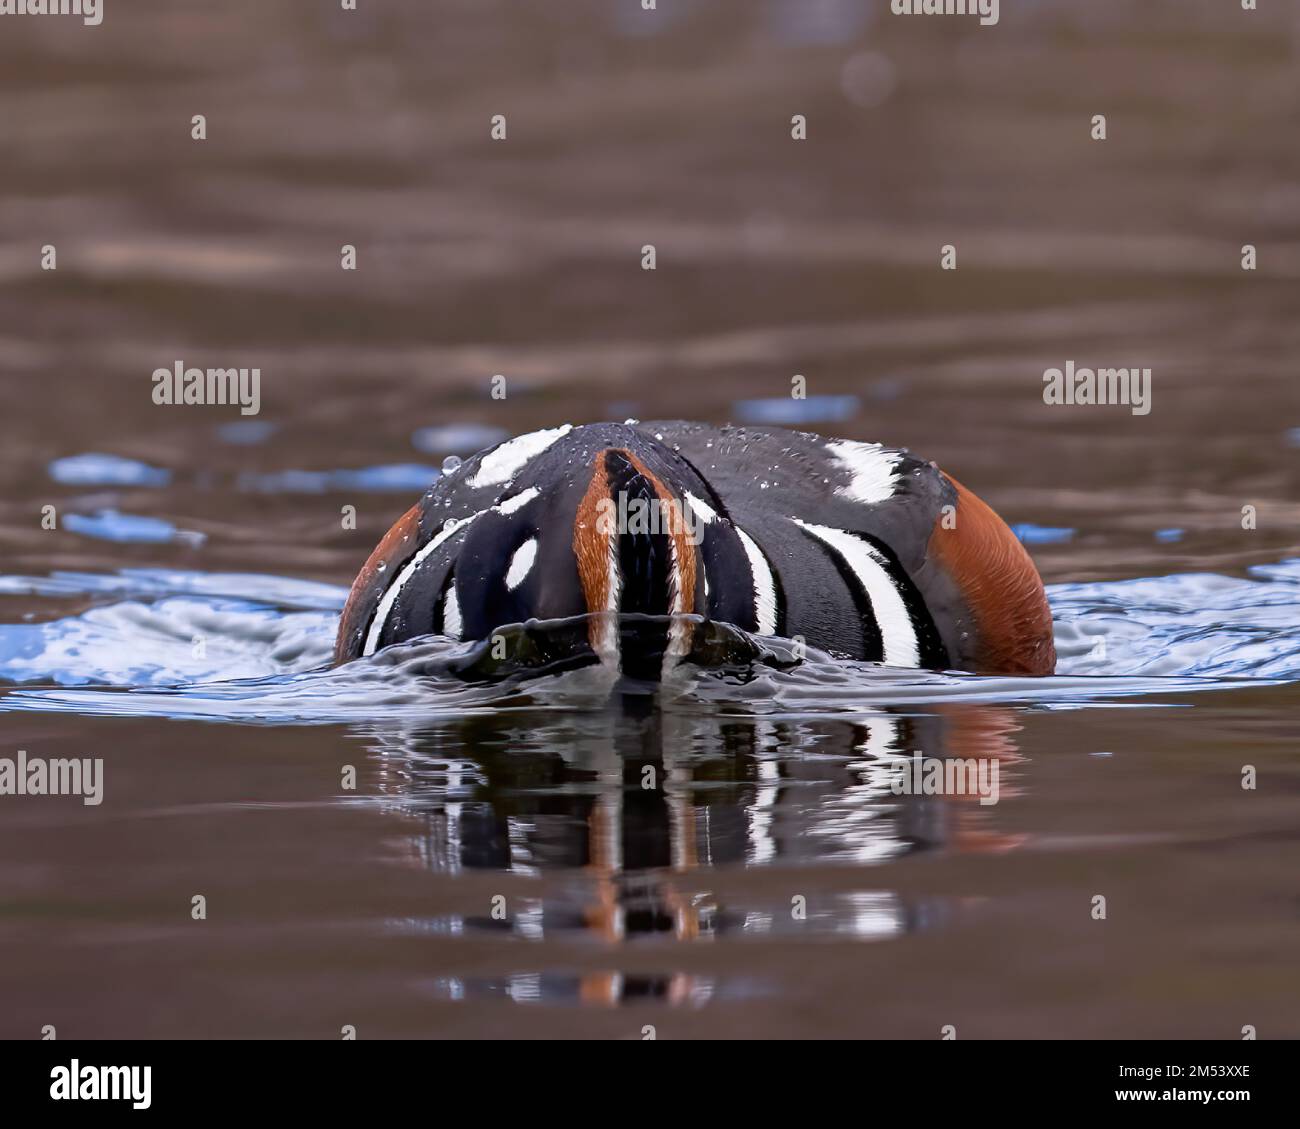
(1001, 587)
(591, 546)
(397, 544)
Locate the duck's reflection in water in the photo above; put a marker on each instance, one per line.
(646, 811)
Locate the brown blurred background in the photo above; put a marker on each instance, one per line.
(775, 257)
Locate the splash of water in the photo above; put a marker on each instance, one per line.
(247, 648)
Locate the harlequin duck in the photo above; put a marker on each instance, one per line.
(857, 549)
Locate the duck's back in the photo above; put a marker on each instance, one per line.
(856, 548)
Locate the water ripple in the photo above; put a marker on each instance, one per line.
(249, 648)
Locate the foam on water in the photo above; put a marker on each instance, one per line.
(251, 648)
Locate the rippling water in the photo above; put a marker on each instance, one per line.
(559, 812)
(396, 846)
(248, 648)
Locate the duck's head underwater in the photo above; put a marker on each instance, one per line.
(856, 549)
